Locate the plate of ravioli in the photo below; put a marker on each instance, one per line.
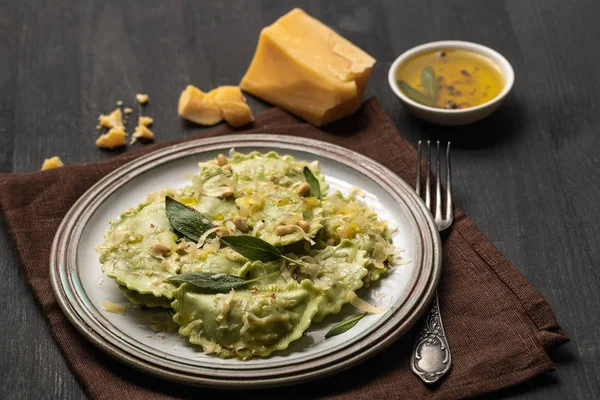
(246, 261)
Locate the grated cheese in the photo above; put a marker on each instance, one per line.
(212, 245)
(202, 238)
(113, 308)
(356, 191)
(304, 234)
(363, 305)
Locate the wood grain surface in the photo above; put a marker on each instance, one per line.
(528, 175)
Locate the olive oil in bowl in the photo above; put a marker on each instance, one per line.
(450, 79)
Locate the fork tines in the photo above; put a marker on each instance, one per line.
(442, 222)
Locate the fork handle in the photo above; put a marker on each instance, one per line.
(431, 358)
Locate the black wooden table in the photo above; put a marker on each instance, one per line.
(529, 175)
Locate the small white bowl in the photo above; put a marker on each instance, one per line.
(446, 116)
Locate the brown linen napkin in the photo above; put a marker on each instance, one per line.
(498, 325)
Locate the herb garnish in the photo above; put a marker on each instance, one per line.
(344, 326)
(253, 248)
(315, 186)
(256, 249)
(415, 95)
(213, 282)
(192, 224)
(186, 220)
(429, 83)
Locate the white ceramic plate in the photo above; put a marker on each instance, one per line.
(80, 286)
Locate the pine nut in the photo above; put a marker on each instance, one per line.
(160, 248)
(221, 159)
(283, 230)
(181, 248)
(228, 192)
(241, 224)
(303, 189)
(304, 225)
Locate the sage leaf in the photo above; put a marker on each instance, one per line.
(429, 82)
(213, 282)
(415, 95)
(209, 282)
(260, 278)
(185, 220)
(315, 186)
(344, 326)
(252, 248)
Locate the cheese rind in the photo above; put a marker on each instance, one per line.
(303, 66)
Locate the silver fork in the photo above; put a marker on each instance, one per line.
(431, 358)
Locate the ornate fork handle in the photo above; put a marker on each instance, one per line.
(431, 358)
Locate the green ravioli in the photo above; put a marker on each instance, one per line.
(245, 324)
(345, 246)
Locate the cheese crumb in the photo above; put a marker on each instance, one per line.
(224, 102)
(113, 308)
(112, 120)
(53, 162)
(141, 132)
(113, 138)
(233, 105)
(119, 103)
(128, 110)
(145, 121)
(197, 106)
(142, 98)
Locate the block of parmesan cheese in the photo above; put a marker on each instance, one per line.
(304, 67)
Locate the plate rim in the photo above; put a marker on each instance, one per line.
(350, 355)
